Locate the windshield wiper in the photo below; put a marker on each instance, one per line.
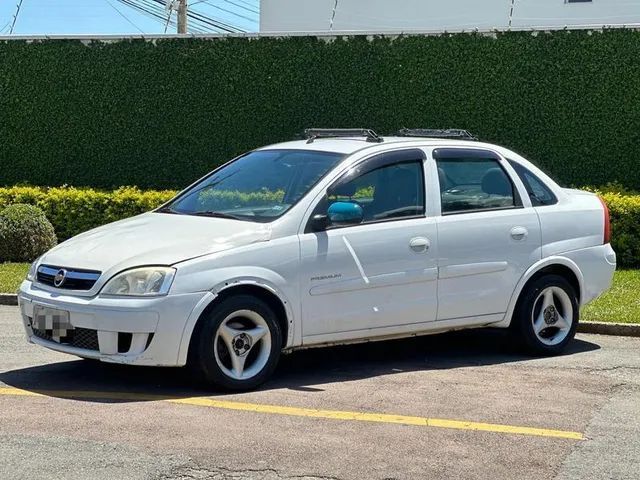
(168, 209)
(211, 213)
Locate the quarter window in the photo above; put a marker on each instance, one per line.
(538, 192)
(471, 180)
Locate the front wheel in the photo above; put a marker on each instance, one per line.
(239, 344)
(546, 317)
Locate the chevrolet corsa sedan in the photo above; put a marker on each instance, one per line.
(344, 237)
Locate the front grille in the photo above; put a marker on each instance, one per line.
(85, 338)
(74, 279)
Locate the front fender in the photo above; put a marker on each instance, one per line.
(294, 335)
(219, 280)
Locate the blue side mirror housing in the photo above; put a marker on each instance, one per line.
(345, 213)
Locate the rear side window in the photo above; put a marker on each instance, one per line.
(538, 192)
(473, 180)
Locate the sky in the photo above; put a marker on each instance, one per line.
(114, 16)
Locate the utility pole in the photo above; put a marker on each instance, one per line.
(182, 16)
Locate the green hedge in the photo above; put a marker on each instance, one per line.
(75, 210)
(624, 211)
(160, 114)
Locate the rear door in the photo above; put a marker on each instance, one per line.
(488, 234)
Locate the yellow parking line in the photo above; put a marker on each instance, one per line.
(304, 412)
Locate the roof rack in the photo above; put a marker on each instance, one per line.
(435, 133)
(312, 133)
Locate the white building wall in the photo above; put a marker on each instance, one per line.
(428, 15)
(557, 13)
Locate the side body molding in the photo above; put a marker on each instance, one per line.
(452, 271)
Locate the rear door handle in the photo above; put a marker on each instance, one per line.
(419, 244)
(519, 233)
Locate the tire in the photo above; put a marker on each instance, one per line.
(546, 316)
(238, 346)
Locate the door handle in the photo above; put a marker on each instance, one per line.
(419, 244)
(519, 233)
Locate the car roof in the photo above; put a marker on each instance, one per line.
(349, 145)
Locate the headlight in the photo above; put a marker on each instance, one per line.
(141, 282)
(31, 274)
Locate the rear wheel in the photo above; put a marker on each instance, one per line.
(239, 344)
(546, 317)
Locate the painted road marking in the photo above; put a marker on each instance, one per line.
(300, 412)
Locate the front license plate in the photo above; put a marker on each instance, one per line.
(51, 321)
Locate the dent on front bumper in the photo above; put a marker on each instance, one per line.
(136, 331)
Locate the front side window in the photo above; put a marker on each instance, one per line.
(388, 192)
(472, 180)
(259, 186)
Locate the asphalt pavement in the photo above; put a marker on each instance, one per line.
(459, 405)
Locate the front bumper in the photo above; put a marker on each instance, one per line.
(136, 331)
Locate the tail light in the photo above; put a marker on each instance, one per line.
(607, 224)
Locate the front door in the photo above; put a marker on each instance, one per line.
(376, 274)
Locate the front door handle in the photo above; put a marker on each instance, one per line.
(419, 244)
(519, 233)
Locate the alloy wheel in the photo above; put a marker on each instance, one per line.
(242, 344)
(552, 315)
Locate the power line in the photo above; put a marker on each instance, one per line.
(166, 25)
(208, 2)
(201, 22)
(15, 17)
(248, 3)
(124, 16)
(141, 9)
(241, 6)
(206, 19)
(228, 11)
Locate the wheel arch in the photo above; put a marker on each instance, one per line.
(267, 293)
(562, 266)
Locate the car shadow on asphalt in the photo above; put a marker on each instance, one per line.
(305, 370)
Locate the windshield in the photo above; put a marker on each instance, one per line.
(259, 186)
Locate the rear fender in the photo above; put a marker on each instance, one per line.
(535, 268)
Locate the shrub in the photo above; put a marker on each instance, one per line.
(624, 211)
(234, 199)
(25, 233)
(75, 210)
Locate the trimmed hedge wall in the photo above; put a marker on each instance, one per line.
(160, 114)
(624, 212)
(75, 210)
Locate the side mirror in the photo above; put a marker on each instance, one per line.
(345, 213)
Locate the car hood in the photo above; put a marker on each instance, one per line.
(154, 239)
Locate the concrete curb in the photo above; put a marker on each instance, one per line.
(8, 299)
(600, 328)
(603, 328)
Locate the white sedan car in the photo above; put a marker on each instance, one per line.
(344, 237)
